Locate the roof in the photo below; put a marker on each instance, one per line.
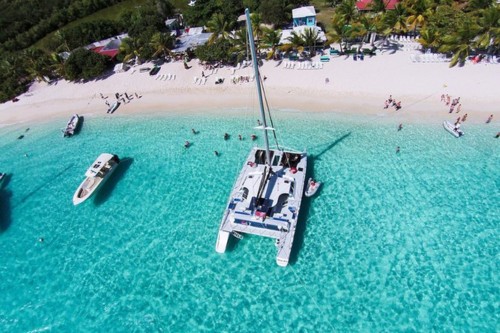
(109, 47)
(191, 41)
(365, 4)
(303, 12)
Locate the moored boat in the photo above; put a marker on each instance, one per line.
(312, 187)
(267, 195)
(71, 126)
(96, 175)
(113, 107)
(453, 129)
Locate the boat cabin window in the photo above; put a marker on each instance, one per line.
(276, 160)
(260, 156)
(290, 159)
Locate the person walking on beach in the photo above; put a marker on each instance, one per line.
(400, 127)
(489, 119)
(464, 117)
(107, 103)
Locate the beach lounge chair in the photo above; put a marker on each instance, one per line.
(195, 80)
(173, 76)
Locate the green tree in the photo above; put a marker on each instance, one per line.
(310, 38)
(347, 10)
(418, 11)
(220, 28)
(130, 48)
(162, 43)
(396, 19)
(83, 64)
(489, 36)
(271, 39)
(461, 42)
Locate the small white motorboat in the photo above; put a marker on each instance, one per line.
(71, 126)
(113, 107)
(97, 174)
(312, 187)
(453, 129)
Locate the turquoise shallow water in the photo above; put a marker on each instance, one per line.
(394, 242)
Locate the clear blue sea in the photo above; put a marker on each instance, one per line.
(393, 242)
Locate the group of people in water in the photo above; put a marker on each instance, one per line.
(455, 103)
(187, 143)
(392, 102)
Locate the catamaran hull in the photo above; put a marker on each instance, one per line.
(222, 240)
(235, 221)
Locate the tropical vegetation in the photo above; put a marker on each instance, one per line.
(458, 28)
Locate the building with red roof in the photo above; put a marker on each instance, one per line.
(365, 5)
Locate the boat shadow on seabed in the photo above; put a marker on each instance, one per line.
(104, 193)
(306, 201)
(5, 206)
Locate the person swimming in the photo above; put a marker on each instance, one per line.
(187, 144)
(226, 136)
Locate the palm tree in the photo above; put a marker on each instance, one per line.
(378, 6)
(163, 43)
(271, 39)
(489, 37)
(418, 11)
(461, 42)
(429, 38)
(340, 32)
(347, 10)
(396, 19)
(131, 48)
(369, 26)
(310, 37)
(37, 64)
(57, 64)
(296, 42)
(240, 44)
(220, 28)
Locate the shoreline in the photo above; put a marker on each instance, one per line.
(354, 87)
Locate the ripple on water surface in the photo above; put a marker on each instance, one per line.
(394, 241)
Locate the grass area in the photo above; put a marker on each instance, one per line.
(324, 13)
(110, 13)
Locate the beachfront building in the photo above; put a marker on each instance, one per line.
(191, 39)
(366, 5)
(304, 16)
(109, 47)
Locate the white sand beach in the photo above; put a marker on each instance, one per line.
(358, 87)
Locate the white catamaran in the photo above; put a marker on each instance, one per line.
(266, 197)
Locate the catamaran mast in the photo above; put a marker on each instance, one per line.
(257, 79)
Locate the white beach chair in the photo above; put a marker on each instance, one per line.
(157, 76)
(173, 76)
(195, 80)
(204, 80)
(169, 77)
